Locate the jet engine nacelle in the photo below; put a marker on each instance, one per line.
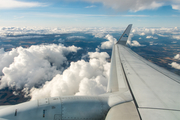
(58, 108)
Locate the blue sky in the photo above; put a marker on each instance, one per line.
(90, 13)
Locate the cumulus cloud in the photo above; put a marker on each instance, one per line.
(134, 43)
(76, 37)
(162, 35)
(38, 71)
(176, 37)
(152, 43)
(28, 67)
(108, 44)
(99, 35)
(6, 58)
(9, 4)
(142, 34)
(57, 35)
(174, 42)
(81, 78)
(177, 57)
(175, 65)
(137, 5)
(148, 37)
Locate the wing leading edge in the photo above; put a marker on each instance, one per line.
(155, 91)
(117, 80)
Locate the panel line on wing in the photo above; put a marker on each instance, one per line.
(129, 86)
(141, 81)
(158, 108)
(149, 86)
(144, 61)
(121, 77)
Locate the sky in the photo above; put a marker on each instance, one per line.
(90, 13)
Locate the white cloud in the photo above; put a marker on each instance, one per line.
(2, 51)
(148, 37)
(176, 7)
(175, 65)
(4, 31)
(92, 6)
(142, 34)
(76, 37)
(23, 37)
(176, 4)
(57, 35)
(6, 58)
(133, 5)
(9, 4)
(28, 67)
(152, 43)
(137, 5)
(155, 37)
(41, 65)
(97, 32)
(163, 35)
(176, 37)
(60, 40)
(134, 43)
(108, 44)
(177, 57)
(81, 78)
(99, 35)
(174, 42)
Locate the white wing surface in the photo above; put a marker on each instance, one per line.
(155, 91)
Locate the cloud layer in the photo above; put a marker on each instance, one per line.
(39, 70)
(97, 32)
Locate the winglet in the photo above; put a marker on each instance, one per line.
(125, 35)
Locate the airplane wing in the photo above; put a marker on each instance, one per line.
(155, 91)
